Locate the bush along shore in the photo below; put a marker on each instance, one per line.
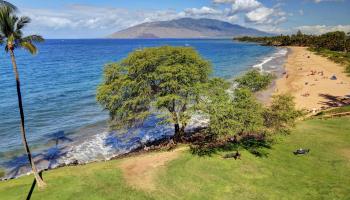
(175, 82)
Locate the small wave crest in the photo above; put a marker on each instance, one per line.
(269, 62)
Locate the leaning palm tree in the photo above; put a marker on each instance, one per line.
(12, 37)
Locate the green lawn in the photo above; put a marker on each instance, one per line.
(323, 174)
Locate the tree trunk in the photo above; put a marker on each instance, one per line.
(177, 133)
(38, 179)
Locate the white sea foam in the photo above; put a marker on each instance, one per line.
(282, 52)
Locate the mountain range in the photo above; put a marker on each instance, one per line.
(187, 28)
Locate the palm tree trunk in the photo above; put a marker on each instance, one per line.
(38, 179)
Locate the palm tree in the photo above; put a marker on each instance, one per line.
(6, 3)
(11, 35)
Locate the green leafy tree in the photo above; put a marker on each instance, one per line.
(248, 111)
(216, 103)
(281, 116)
(254, 80)
(231, 113)
(165, 80)
(11, 35)
(347, 43)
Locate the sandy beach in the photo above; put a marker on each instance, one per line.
(315, 82)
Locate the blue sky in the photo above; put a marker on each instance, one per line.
(95, 19)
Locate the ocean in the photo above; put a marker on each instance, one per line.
(65, 124)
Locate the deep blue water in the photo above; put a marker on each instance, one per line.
(59, 84)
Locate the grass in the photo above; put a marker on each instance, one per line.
(336, 56)
(323, 174)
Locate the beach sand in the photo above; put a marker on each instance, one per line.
(313, 91)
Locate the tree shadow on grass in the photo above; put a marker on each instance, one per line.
(256, 144)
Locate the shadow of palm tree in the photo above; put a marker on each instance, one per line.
(58, 137)
(17, 165)
(46, 159)
(335, 101)
(31, 190)
(51, 156)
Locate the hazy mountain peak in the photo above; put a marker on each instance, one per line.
(187, 28)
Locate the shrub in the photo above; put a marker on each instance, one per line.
(254, 80)
(281, 116)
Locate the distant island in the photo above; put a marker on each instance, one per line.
(187, 28)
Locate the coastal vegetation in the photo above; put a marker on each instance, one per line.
(281, 175)
(174, 83)
(11, 27)
(334, 45)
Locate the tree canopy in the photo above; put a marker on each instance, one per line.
(231, 113)
(281, 116)
(163, 80)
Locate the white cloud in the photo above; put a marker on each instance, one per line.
(255, 12)
(202, 11)
(245, 5)
(319, 1)
(240, 5)
(321, 29)
(259, 15)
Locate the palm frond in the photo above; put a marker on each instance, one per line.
(8, 4)
(11, 31)
(7, 21)
(22, 22)
(29, 46)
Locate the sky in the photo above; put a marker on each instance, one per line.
(97, 19)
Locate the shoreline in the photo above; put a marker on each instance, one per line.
(315, 82)
(278, 71)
